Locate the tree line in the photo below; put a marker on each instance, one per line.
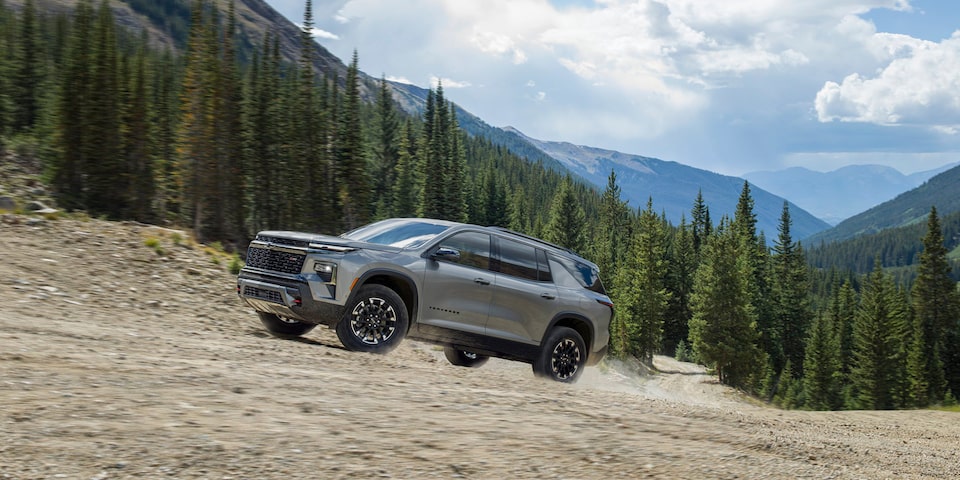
(226, 147)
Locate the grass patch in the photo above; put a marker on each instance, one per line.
(155, 244)
(952, 408)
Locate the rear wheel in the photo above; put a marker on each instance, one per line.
(563, 357)
(463, 358)
(284, 327)
(375, 320)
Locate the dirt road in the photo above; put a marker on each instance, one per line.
(118, 362)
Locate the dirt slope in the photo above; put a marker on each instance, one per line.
(117, 362)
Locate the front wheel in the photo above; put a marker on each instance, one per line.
(462, 358)
(284, 327)
(375, 320)
(563, 357)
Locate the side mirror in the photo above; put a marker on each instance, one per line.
(446, 253)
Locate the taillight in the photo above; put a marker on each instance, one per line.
(605, 302)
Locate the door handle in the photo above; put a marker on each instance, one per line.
(482, 281)
(548, 295)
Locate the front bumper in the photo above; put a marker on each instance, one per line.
(286, 298)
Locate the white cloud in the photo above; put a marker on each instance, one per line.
(627, 74)
(448, 82)
(919, 86)
(497, 44)
(400, 80)
(318, 33)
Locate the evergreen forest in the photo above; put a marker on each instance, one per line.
(227, 144)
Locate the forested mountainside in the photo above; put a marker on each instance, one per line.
(167, 25)
(200, 139)
(898, 250)
(908, 208)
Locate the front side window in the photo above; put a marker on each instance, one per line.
(474, 249)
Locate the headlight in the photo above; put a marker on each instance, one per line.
(326, 271)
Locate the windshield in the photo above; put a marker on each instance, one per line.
(403, 233)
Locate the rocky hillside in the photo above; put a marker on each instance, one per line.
(125, 353)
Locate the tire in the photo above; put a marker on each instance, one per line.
(284, 327)
(462, 358)
(375, 320)
(563, 357)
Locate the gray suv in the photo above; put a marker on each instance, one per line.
(478, 291)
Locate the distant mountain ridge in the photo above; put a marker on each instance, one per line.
(674, 186)
(839, 194)
(941, 191)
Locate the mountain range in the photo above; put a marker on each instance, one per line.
(842, 193)
(941, 191)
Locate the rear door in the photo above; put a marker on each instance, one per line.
(457, 289)
(524, 296)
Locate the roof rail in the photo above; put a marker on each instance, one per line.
(535, 239)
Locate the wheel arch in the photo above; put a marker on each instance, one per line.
(399, 282)
(576, 321)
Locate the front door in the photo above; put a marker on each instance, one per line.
(457, 286)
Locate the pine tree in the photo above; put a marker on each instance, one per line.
(756, 255)
(385, 150)
(136, 142)
(163, 120)
(199, 159)
(935, 318)
(642, 297)
(455, 197)
(878, 338)
(791, 287)
(27, 80)
(700, 222)
(6, 49)
(519, 211)
(681, 269)
(567, 219)
(430, 159)
(74, 132)
(406, 188)
(351, 158)
(105, 169)
(822, 376)
(723, 329)
(612, 234)
(231, 218)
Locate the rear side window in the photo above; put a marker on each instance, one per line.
(586, 275)
(518, 260)
(522, 261)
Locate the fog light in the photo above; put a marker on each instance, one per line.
(326, 271)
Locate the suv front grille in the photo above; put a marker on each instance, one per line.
(275, 260)
(262, 294)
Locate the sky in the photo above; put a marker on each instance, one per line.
(731, 86)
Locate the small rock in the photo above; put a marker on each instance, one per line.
(39, 207)
(8, 204)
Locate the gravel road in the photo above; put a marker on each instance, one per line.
(119, 362)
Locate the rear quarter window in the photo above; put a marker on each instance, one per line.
(584, 274)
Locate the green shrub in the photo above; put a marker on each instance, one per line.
(154, 243)
(236, 264)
